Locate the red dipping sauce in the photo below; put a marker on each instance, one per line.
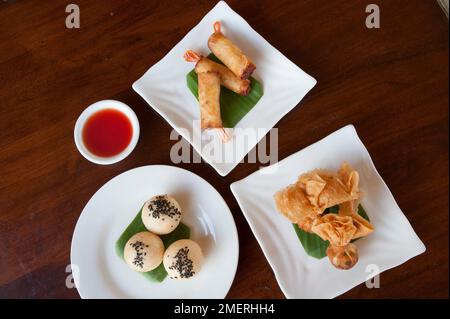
(107, 132)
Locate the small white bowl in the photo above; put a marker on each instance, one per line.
(93, 108)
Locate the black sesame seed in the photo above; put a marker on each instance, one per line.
(138, 259)
(161, 206)
(182, 264)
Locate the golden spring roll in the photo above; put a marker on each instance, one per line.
(227, 78)
(230, 54)
(208, 96)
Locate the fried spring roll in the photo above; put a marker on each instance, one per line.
(227, 78)
(230, 54)
(208, 96)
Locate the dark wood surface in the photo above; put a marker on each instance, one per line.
(391, 83)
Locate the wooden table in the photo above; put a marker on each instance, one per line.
(391, 83)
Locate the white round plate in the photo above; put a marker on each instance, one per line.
(99, 273)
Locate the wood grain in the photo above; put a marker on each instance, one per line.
(391, 83)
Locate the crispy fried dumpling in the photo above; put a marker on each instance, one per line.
(343, 257)
(338, 230)
(315, 191)
(313, 186)
(304, 203)
(325, 189)
(350, 178)
(363, 227)
(293, 203)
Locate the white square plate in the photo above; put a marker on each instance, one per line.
(164, 87)
(300, 276)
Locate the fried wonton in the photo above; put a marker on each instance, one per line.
(293, 203)
(363, 227)
(325, 189)
(304, 203)
(350, 178)
(343, 257)
(337, 229)
(313, 187)
(315, 191)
